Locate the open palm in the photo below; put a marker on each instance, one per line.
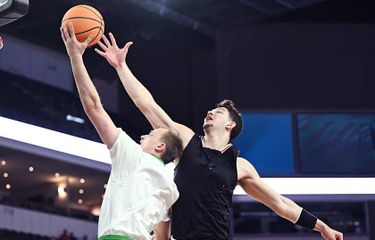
(110, 51)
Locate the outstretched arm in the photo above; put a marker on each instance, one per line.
(138, 93)
(249, 180)
(87, 93)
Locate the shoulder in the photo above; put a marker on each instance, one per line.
(122, 139)
(244, 163)
(245, 169)
(185, 133)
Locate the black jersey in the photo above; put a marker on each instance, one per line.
(205, 179)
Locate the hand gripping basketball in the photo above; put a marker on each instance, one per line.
(86, 21)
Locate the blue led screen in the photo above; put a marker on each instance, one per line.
(336, 144)
(266, 141)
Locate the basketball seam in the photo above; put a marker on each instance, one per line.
(95, 36)
(93, 19)
(88, 30)
(83, 6)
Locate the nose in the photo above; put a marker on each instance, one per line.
(210, 113)
(143, 137)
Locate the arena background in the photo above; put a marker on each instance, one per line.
(301, 71)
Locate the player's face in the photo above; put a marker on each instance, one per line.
(150, 141)
(216, 117)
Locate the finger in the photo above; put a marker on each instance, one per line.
(88, 40)
(101, 53)
(105, 39)
(65, 32)
(127, 45)
(113, 40)
(71, 32)
(62, 34)
(102, 46)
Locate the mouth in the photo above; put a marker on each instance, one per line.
(209, 118)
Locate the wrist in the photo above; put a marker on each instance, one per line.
(307, 220)
(121, 66)
(73, 56)
(320, 226)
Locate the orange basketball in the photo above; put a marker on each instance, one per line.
(86, 21)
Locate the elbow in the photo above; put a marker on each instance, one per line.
(92, 107)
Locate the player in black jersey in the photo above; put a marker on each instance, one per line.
(209, 168)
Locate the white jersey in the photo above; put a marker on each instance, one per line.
(139, 192)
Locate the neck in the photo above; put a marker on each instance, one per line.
(158, 158)
(215, 140)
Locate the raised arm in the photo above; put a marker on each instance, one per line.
(137, 92)
(87, 93)
(249, 180)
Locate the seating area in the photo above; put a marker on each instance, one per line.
(48, 207)
(46, 106)
(6, 234)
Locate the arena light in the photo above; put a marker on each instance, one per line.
(61, 191)
(306, 186)
(54, 140)
(75, 119)
(95, 211)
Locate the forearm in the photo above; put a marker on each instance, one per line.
(252, 184)
(135, 89)
(288, 209)
(299, 216)
(87, 92)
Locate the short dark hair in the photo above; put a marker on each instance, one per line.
(173, 148)
(235, 115)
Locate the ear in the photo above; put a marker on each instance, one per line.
(160, 147)
(230, 125)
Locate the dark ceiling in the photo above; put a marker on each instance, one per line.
(168, 19)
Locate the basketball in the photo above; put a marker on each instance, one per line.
(86, 21)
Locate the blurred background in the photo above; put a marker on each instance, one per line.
(301, 71)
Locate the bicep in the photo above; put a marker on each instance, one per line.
(259, 190)
(256, 188)
(104, 125)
